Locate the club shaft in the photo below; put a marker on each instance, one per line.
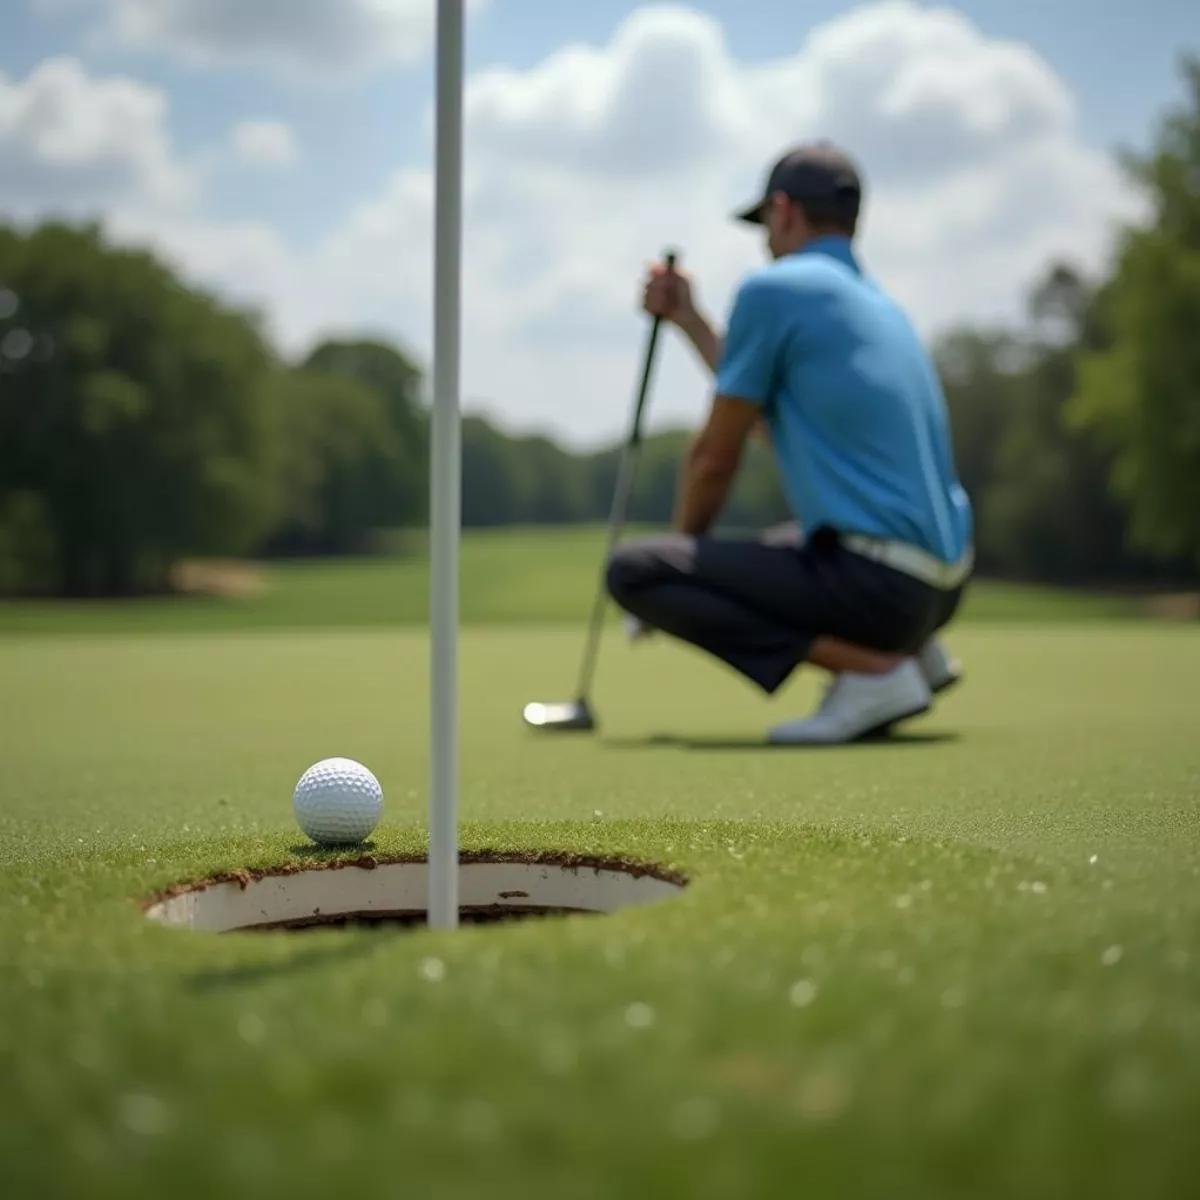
(626, 473)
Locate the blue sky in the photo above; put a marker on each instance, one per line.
(547, 319)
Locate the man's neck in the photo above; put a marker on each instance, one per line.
(820, 241)
(839, 246)
(829, 237)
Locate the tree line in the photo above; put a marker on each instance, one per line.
(144, 421)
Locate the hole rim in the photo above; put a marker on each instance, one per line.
(514, 903)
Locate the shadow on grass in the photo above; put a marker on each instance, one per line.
(675, 741)
(248, 974)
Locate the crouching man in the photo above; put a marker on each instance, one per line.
(828, 364)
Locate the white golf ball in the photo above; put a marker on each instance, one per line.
(337, 802)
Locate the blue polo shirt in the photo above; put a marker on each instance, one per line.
(853, 403)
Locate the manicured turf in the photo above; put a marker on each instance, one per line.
(530, 577)
(965, 964)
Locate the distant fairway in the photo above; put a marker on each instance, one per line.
(528, 576)
(961, 965)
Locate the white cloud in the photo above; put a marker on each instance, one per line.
(69, 142)
(265, 143)
(299, 38)
(582, 167)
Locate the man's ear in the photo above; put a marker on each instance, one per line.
(797, 218)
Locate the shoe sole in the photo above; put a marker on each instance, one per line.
(880, 731)
(867, 734)
(883, 730)
(951, 681)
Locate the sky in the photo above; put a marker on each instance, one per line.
(281, 152)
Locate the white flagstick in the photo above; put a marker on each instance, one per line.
(445, 472)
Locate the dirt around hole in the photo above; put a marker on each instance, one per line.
(382, 892)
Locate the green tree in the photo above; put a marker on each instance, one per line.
(27, 545)
(397, 379)
(1045, 511)
(491, 482)
(655, 484)
(1140, 395)
(755, 501)
(551, 488)
(338, 464)
(981, 371)
(132, 430)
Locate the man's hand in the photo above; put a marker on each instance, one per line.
(667, 293)
(636, 629)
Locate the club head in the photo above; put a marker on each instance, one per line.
(566, 716)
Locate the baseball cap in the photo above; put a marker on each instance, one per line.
(815, 172)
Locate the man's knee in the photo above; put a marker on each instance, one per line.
(626, 572)
(644, 562)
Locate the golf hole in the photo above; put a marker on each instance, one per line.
(376, 893)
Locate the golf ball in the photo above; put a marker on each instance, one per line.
(337, 801)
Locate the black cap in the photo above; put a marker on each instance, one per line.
(816, 173)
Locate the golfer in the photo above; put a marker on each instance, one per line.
(829, 367)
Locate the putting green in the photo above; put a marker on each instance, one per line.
(962, 964)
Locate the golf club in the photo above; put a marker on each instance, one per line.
(577, 715)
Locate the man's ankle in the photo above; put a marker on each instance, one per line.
(844, 657)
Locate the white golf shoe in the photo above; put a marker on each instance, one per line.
(858, 705)
(940, 670)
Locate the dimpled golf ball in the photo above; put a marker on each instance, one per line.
(337, 802)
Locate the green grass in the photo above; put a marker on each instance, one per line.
(997, 921)
(529, 577)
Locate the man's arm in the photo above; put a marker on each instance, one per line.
(710, 346)
(705, 339)
(668, 294)
(711, 463)
(746, 375)
(743, 362)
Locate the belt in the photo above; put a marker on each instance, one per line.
(912, 560)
